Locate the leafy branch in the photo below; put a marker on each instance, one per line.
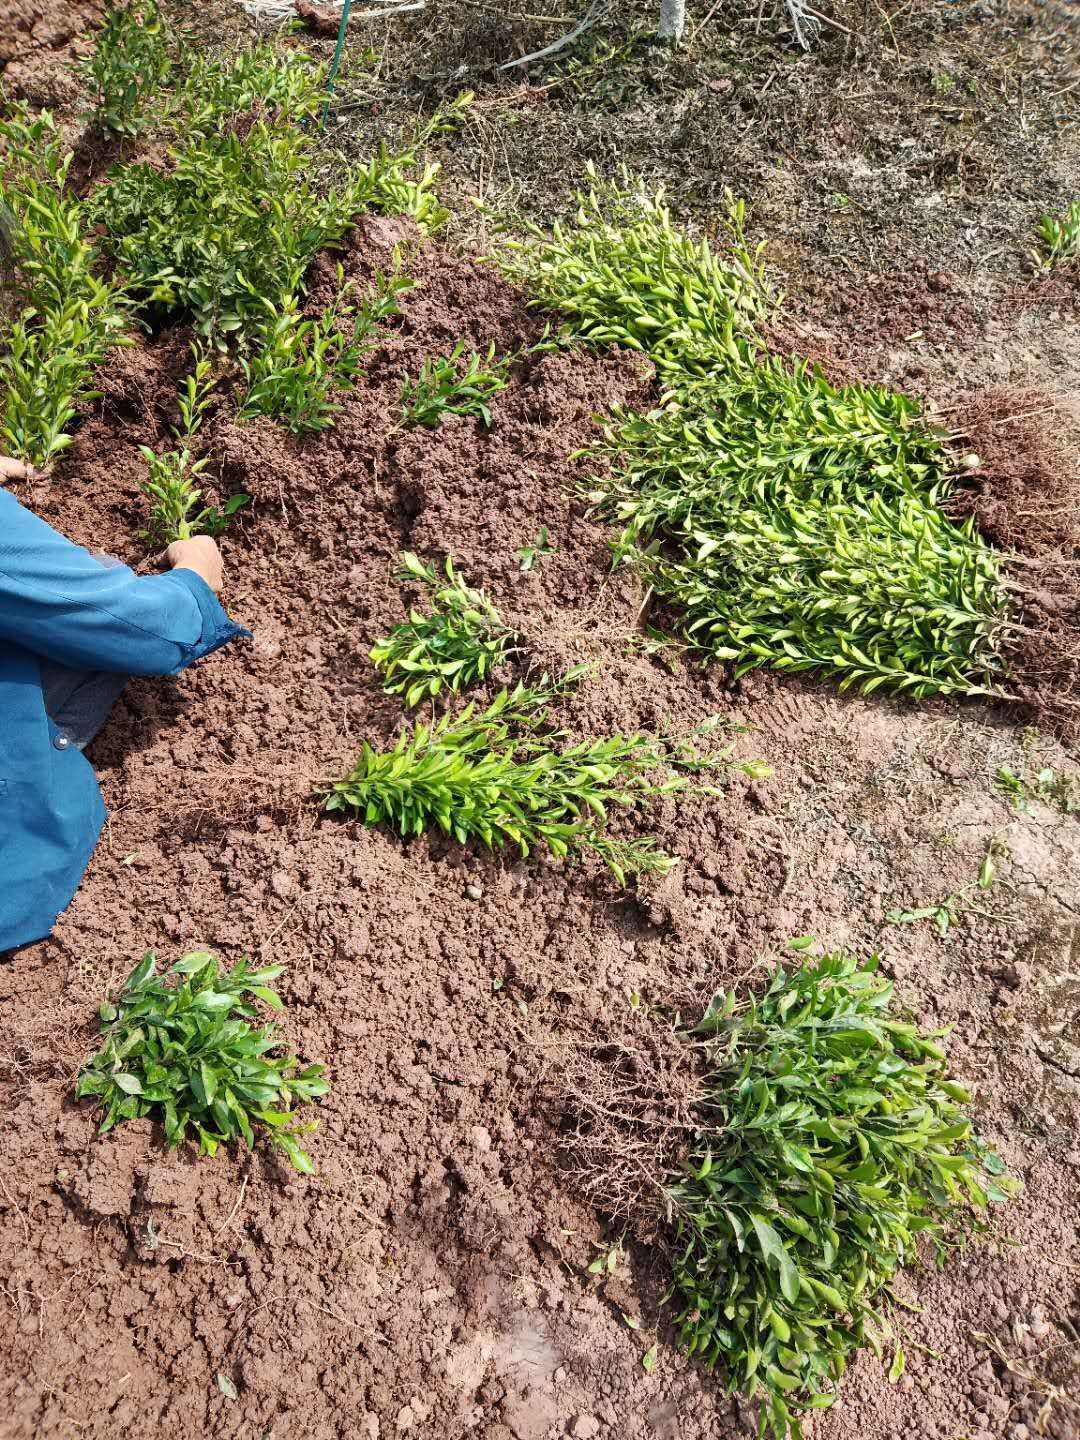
(488, 775)
(183, 1046)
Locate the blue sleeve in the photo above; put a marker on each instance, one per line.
(59, 602)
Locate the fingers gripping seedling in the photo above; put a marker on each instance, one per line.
(462, 641)
(184, 1047)
(170, 485)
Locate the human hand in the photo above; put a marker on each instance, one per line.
(12, 469)
(200, 554)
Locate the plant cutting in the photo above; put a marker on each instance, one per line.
(298, 362)
(131, 61)
(455, 384)
(184, 1047)
(69, 316)
(491, 775)
(169, 486)
(460, 642)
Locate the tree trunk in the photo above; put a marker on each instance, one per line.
(672, 20)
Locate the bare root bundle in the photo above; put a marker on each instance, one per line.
(627, 1100)
(1024, 496)
(234, 795)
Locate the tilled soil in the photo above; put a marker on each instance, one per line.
(431, 1279)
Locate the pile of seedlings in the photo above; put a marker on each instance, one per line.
(787, 521)
(504, 774)
(826, 1145)
(184, 1048)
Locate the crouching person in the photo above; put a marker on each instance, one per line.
(73, 628)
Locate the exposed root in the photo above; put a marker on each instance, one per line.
(626, 1099)
(1025, 497)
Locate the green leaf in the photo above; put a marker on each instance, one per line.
(226, 1386)
(196, 1058)
(896, 1369)
(648, 1360)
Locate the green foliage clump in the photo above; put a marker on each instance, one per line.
(69, 316)
(788, 521)
(211, 91)
(131, 61)
(491, 776)
(225, 232)
(1059, 236)
(446, 387)
(461, 641)
(190, 1052)
(832, 1142)
(238, 214)
(221, 232)
(299, 362)
(623, 273)
(170, 480)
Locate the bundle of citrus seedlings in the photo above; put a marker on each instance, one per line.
(786, 520)
(503, 774)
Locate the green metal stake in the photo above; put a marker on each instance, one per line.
(336, 62)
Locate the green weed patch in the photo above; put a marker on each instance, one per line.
(184, 1046)
(1059, 237)
(832, 1144)
(788, 521)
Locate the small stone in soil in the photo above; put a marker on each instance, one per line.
(474, 892)
(584, 1427)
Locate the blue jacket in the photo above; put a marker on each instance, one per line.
(58, 602)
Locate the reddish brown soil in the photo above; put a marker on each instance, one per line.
(431, 1280)
(1025, 497)
(39, 40)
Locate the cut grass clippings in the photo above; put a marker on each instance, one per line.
(788, 521)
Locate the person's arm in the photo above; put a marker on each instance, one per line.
(61, 603)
